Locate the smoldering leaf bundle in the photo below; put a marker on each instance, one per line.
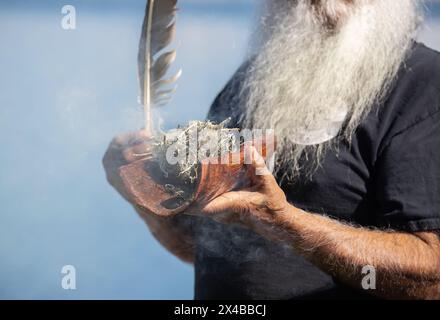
(180, 152)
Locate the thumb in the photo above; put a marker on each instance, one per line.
(258, 169)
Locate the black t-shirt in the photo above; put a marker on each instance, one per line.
(389, 177)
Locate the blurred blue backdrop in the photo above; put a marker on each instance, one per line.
(63, 96)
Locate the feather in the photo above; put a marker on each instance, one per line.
(158, 31)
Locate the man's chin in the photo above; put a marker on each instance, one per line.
(332, 14)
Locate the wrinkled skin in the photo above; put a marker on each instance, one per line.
(407, 263)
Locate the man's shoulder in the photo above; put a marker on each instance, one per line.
(417, 92)
(226, 104)
(423, 66)
(415, 99)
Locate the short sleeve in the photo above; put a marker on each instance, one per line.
(407, 178)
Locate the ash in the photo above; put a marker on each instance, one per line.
(179, 152)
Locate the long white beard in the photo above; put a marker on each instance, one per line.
(311, 83)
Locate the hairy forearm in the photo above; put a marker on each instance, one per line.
(407, 265)
(174, 233)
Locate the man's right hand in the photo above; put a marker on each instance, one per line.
(174, 233)
(123, 150)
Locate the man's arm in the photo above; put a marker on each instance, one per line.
(407, 265)
(174, 233)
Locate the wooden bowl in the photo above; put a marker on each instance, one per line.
(149, 188)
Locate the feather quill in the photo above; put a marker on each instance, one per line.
(158, 31)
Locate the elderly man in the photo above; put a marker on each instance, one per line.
(353, 208)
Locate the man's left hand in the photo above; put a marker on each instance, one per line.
(258, 206)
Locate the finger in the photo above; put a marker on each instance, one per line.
(140, 151)
(112, 160)
(116, 157)
(258, 169)
(130, 139)
(231, 201)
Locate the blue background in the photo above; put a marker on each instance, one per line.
(63, 96)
